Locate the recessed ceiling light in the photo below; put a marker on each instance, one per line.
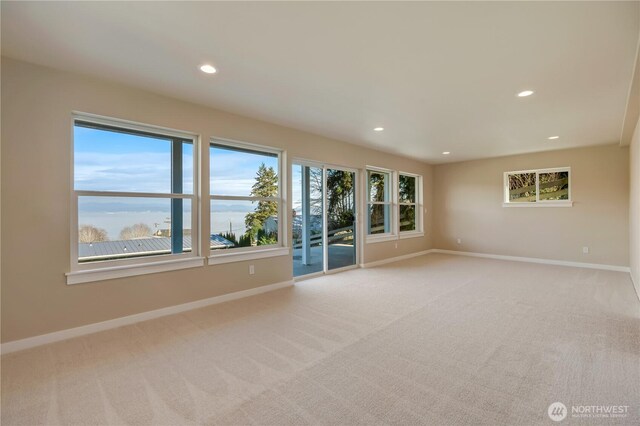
(209, 69)
(378, 129)
(446, 153)
(553, 137)
(525, 93)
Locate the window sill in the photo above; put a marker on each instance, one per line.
(541, 204)
(108, 273)
(372, 239)
(410, 234)
(218, 259)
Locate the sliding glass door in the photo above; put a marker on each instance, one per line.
(340, 218)
(324, 219)
(308, 219)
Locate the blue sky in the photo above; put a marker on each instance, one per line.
(233, 172)
(110, 161)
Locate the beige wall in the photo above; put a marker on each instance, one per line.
(36, 173)
(634, 209)
(468, 205)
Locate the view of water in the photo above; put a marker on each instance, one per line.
(220, 222)
(114, 222)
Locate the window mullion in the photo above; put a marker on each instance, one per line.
(89, 193)
(244, 198)
(177, 219)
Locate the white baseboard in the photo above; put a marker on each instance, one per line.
(394, 259)
(56, 336)
(537, 260)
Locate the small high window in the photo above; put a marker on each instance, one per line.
(543, 187)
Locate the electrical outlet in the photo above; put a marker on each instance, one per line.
(396, 245)
(252, 270)
(459, 241)
(585, 250)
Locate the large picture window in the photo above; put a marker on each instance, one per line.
(134, 196)
(380, 202)
(246, 201)
(543, 187)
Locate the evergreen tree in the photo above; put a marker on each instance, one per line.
(340, 196)
(265, 238)
(229, 236)
(266, 185)
(244, 240)
(377, 193)
(340, 201)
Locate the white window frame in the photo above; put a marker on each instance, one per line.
(358, 192)
(117, 268)
(257, 252)
(537, 203)
(392, 203)
(419, 231)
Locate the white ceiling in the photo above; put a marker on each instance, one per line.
(437, 76)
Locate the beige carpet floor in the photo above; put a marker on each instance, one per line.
(442, 340)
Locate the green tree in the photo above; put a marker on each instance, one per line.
(265, 238)
(377, 191)
(340, 196)
(244, 240)
(407, 192)
(340, 201)
(229, 236)
(266, 185)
